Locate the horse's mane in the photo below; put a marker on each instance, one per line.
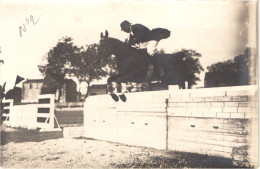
(118, 43)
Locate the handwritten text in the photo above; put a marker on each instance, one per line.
(27, 22)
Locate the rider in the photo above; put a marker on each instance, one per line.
(146, 39)
(141, 35)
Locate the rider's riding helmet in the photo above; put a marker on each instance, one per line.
(125, 26)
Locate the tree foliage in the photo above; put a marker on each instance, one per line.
(86, 67)
(15, 94)
(57, 66)
(193, 66)
(234, 72)
(66, 59)
(58, 59)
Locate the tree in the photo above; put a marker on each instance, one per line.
(192, 66)
(86, 67)
(15, 94)
(234, 72)
(58, 60)
(221, 74)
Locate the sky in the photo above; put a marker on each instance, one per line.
(219, 30)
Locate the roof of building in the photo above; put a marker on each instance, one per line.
(42, 80)
(34, 81)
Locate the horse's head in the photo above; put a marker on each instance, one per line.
(105, 47)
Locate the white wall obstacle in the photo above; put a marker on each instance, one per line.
(23, 116)
(214, 121)
(138, 121)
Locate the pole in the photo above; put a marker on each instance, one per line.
(167, 128)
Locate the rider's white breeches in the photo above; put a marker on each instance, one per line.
(150, 46)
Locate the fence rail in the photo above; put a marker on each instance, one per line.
(69, 104)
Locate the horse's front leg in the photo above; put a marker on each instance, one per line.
(118, 87)
(110, 88)
(120, 78)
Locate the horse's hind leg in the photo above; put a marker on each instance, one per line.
(182, 85)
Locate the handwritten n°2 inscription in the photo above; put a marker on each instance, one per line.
(27, 22)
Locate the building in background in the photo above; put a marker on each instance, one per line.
(31, 89)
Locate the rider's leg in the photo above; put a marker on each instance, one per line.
(152, 49)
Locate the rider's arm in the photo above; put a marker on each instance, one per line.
(131, 40)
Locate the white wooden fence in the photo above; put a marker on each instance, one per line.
(30, 116)
(8, 104)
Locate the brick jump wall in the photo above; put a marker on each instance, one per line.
(215, 121)
(140, 121)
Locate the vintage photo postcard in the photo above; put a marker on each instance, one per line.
(129, 84)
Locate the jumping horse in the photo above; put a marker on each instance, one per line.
(137, 66)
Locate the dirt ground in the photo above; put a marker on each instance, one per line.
(89, 153)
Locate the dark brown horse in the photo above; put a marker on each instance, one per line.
(133, 64)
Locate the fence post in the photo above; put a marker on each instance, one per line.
(52, 116)
(167, 128)
(45, 115)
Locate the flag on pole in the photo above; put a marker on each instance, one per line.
(2, 91)
(18, 79)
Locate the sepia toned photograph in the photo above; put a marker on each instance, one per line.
(129, 84)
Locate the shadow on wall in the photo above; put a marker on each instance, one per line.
(19, 135)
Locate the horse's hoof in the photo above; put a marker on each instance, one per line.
(114, 97)
(122, 97)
